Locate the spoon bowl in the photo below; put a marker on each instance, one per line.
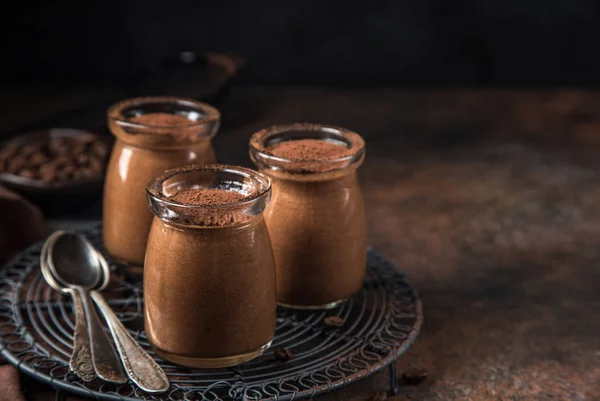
(75, 262)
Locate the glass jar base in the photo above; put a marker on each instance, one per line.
(311, 307)
(212, 363)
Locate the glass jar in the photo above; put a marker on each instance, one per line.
(153, 134)
(209, 278)
(316, 218)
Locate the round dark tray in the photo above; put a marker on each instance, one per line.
(381, 322)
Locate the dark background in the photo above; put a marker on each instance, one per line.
(311, 42)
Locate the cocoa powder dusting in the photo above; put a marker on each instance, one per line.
(161, 119)
(210, 197)
(309, 150)
(199, 197)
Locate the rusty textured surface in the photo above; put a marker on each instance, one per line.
(501, 236)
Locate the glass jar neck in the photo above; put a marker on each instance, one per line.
(252, 192)
(163, 122)
(305, 162)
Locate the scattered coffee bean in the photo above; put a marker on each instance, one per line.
(283, 354)
(382, 396)
(414, 376)
(333, 321)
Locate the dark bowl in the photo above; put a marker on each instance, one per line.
(55, 198)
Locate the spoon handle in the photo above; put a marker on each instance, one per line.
(106, 363)
(140, 367)
(81, 359)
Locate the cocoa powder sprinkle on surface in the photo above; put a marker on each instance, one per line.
(309, 150)
(210, 197)
(199, 197)
(161, 119)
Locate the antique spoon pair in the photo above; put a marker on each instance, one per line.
(71, 265)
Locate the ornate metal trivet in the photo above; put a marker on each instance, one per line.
(381, 322)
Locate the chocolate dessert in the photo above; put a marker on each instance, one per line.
(209, 278)
(153, 135)
(316, 218)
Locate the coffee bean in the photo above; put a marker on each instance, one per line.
(61, 161)
(62, 176)
(69, 170)
(96, 165)
(382, 396)
(15, 164)
(283, 354)
(4, 161)
(48, 172)
(64, 172)
(82, 158)
(100, 149)
(6, 153)
(333, 321)
(80, 144)
(77, 174)
(414, 376)
(37, 158)
(59, 145)
(30, 149)
(87, 172)
(28, 173)
(84, 173)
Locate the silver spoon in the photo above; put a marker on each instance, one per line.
(81, 359)
(140, 366)
(74, 264)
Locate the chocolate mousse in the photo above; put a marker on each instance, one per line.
(310, 150)
(161, 119)
(209, 278)
(316, 217)
(148, 143)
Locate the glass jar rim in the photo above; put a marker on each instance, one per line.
(154, 186)
(264, 158)
(115, 112)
